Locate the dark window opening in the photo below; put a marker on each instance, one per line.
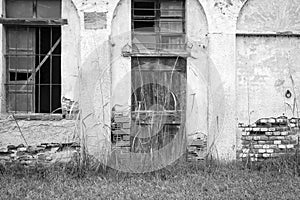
(48, 77)
(19, 76)
(144, 26)
(144, 9)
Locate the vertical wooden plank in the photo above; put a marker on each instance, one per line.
(20, 50)
(166, 88)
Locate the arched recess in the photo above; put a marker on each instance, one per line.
(269, 16)
(268, 47)
(70, 50)
(121, 66)
(197, 68)
(197, 122)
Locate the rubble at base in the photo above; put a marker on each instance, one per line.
(45, 153)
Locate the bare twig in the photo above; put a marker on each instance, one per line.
(19, 129)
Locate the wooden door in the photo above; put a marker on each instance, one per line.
(158, 102)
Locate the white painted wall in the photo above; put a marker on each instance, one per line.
(212, 71)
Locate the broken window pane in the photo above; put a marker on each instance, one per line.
(144, 26)
(19, 76)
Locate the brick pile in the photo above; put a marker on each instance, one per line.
(269, 138)
(120, 131)
(70, 109)
(197, 148)
(45, 153)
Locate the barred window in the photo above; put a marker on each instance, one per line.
(33, 55)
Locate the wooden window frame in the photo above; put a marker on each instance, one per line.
(157, 18)
(35, 24)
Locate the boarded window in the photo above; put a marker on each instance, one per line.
(158, 25)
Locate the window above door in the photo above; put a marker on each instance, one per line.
(158, 26)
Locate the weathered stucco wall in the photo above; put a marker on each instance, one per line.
(70, 56)
(96, 52)
(270, 16)
(211, 71)
(36, 132)
(222, 17)
(267, 68)
(197, 71)
(223, 70)
(268, 62)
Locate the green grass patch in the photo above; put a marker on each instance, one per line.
(273, 179)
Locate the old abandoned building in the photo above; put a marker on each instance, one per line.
(152, 76)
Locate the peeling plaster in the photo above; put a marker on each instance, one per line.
(96, 53)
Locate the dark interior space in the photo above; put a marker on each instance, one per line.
(144, 14)
(144, 9)
(48, 77)
(144, 26)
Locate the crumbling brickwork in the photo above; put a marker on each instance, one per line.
(269, 138)
(121, 131)
(44, 154)
(197, 149)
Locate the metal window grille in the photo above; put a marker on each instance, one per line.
(33, 57)
(158, 25)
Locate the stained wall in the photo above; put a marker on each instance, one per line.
(227, 76)
(267, 60)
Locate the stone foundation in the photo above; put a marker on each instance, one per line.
(45, 154)
(269, 138)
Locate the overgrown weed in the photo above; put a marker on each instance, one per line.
(207, 168)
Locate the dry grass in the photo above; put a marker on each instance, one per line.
(203, 180)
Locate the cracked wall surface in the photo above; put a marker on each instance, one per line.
(221, 66)
(35, 132)
(267, 61)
